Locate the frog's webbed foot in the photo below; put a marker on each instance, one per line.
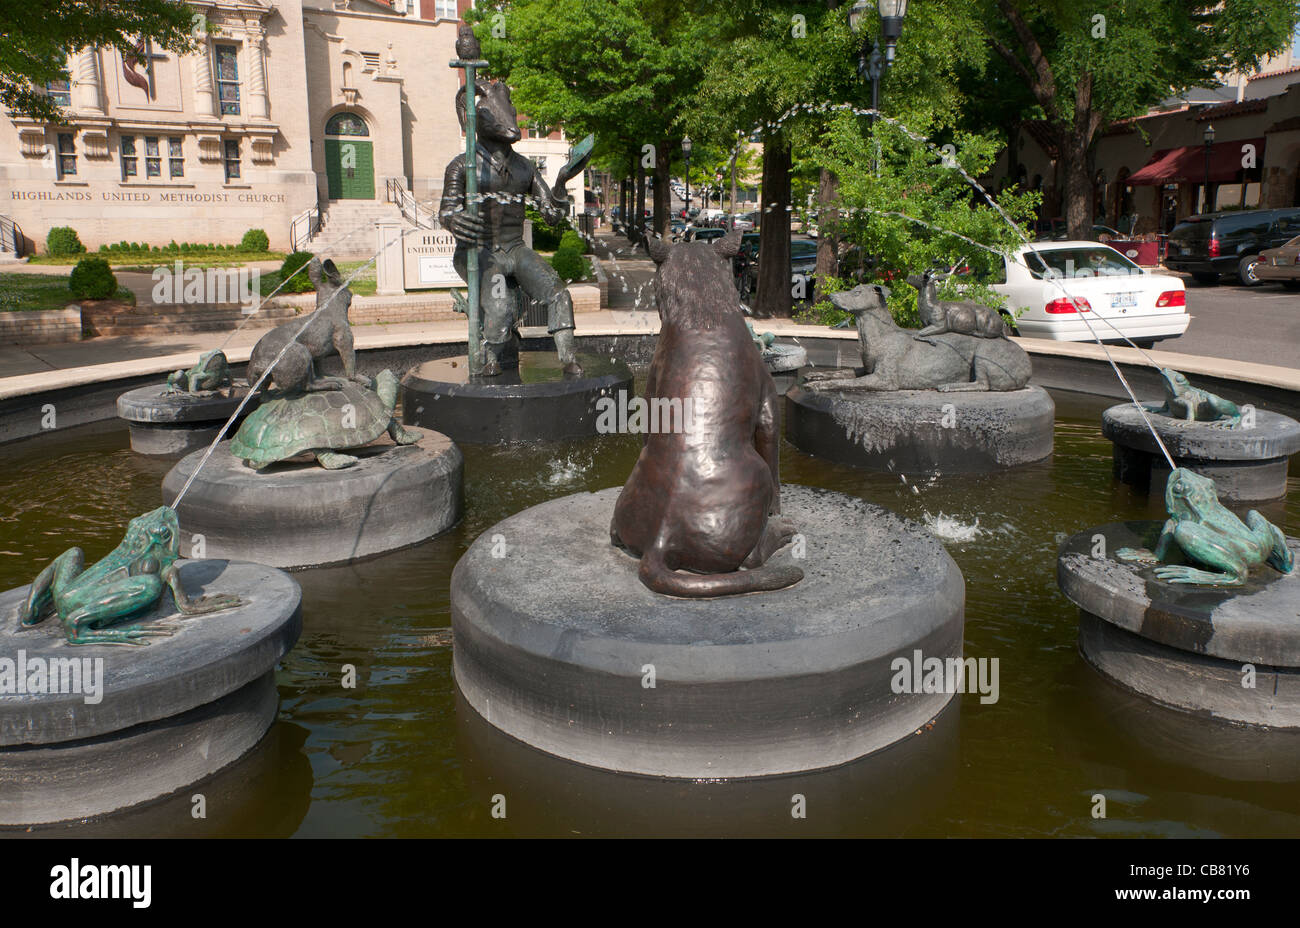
(138, 635)
(1179, 573)
(1137, 556)
(213, 602)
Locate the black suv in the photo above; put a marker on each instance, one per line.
(1229, 243)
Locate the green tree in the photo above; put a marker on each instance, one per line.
(36, 39)
(915, 210)
(1087, 65)
(622, 69)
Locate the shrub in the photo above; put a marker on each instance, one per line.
(544, 237)
(63, 240)
(92, 279)
(294, 270)
(571, 240)
(255, 240)
(569, 264)
(103, 248)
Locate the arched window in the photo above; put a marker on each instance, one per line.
(346, 124)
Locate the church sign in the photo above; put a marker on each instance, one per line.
(428, 260)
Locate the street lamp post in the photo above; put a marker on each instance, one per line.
(1209, 143)
(686, 150)
(873, 65)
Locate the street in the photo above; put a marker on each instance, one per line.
(1260, 324)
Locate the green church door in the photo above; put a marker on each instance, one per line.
(350, 169)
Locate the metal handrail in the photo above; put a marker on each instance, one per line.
(409, 206)
(11, 237)
(304, 227)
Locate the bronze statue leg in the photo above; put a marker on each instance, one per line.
(540, 281)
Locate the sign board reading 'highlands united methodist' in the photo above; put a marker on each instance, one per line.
(428, 261)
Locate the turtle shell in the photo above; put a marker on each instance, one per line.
(287, 426)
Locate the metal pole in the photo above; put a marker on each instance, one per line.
(1208, 208)
(475, 337)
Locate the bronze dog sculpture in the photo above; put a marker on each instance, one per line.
(704, 501)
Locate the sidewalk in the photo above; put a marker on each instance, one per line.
(32, 368)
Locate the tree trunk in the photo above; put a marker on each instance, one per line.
(1077, 183)
(663, 206)
(637, 225)
(828, 215)
(735, 153)
(773, 285)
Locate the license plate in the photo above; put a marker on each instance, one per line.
(1281, 261)
(1123, 299)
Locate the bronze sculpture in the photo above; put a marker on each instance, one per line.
(704, 502)
(895, 360)
(491, 232)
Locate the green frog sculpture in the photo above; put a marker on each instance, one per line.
(1183, 401)
(211, 373)
(1212, 536)
(91, 601)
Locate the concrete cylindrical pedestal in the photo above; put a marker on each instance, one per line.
(922, 431)
(534, 402)
(1248, 463)
(302, 515)
(1229, 652)
(110, 727)
(558, 644)
(171, 425)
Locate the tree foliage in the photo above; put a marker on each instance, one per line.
(35, 40)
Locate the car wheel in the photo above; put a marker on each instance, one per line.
(1205, 279)
(1246, 271)
(1146, 344)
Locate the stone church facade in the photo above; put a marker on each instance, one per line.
(284, 106)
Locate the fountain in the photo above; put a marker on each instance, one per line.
(186, 413)
(496, 392)
(936, 400)
(1245, 451)
(255, 500)
(636, 656)
(74, 726)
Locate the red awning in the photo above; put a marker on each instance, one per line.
(1187, 165)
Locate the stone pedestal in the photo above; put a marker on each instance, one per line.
(174, 424)
(558, 644)
(1184, 646)
(784, 363)
(298, 514)
(164, 715)
(533, 402)
(922, 431)
(1247, 464)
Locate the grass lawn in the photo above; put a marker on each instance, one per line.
(28, 292)
(362, 285)
(148, 260)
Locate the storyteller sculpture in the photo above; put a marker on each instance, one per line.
(706, 500)
(490, 252)
(895, 360)
(126, 582)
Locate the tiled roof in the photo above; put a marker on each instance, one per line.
(1259, 77)
(1228, 110)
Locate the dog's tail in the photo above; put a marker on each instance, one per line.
(656, 575)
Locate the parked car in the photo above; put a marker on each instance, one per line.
(746, 222)
(1060, 283)
(711, 215)
(1281, 265)
(707, 234)
(1229, 242)
(676, 229)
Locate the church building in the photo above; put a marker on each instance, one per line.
(286, 113)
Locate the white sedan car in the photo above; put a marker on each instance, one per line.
(1071, 290)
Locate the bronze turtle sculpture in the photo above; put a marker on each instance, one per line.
(322, 424)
